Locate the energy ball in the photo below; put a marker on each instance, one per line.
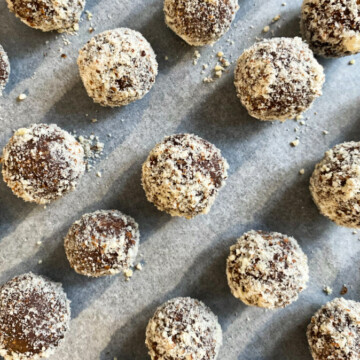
(331, 27)
(335, 184)
(34, 317)
(183, 174)
(278, 79)
(48, 15)
(117, 67)
(267, 269)
(102, 243)
(182, 329)
(200, 22)
(334, 331)
(42, 163)
(4, 69)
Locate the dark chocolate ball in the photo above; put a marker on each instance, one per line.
(200, 22)
(42, 163)
(183, 329)
(331, 27)
(102, 243)
(183, 174)
(34, 317)
(334, 331)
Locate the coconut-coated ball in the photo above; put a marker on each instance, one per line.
(334, 331)
(278, 79)
(117, 67)
(335, 184)
(331, 27)
(200, 22)
(34, 317)
(42, 163)
(48, 15)
(183, 174)
(102, 243)
(267, 269)
(4, 69)
(183, 328)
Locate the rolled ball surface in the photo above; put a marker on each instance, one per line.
(34, 317)
(335, 184)
(42, 163)
(182, 329)
(183, 174)
(334, 331)
(278, 79)
(117, 67)
(200, 22)
(102, 243)
(48, 15)
(267, 269)
(4, 69)
(331, 27)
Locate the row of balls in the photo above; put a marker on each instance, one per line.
(35, 316)
(275, 79)
(182, 175)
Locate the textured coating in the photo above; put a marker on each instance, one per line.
(42, 163)
(4, 69)
(117, 67)
(102, 243)
(183, 174)
(278, 79)
(183, 329)
(331, 27)
(267, 269)
(34, 317)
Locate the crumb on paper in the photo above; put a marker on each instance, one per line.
(208, 80)
(327, 290)
(40, 262)
(166, 58)
(295, 143)
(302, 172)
(299, 117)
(344, 290)
(89, 15)
(220, 54)
(276, 18)
(39, 243)
(22, 97)
(98, 174)
(266, 29)
(94, 120)
(352, 62)
(325, 132)
(139, 267)
(128, 273)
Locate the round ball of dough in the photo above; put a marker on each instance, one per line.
(102, 243)
(48, 15)
(42, 163)
(335, 184)
(278, 79)
(34, 317)
(331, 27)
(267, 269)
(200, 22)
(334, 331)
(182, 329)
(183, 174)
(117, 67)
(4, 69)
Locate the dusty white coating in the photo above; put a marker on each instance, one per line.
(334, 331)
(102, 243)
(4, 69)
(331, 27)
(200, 22)
(48, 15)
(117, 67)
(42, 163)
(335, 184)
(34, 317)
(278, 79)
(183, 329)
(267, 269)
(183, 174)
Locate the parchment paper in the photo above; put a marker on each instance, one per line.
(180, 257)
